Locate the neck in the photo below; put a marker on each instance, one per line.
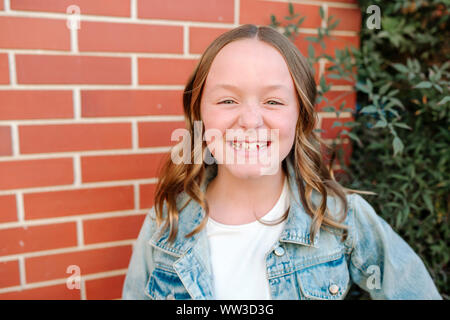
(234, 200)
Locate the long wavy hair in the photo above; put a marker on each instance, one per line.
(311, 171)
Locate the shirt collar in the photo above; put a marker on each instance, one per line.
(296, 229)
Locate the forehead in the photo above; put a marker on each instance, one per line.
(249, 61)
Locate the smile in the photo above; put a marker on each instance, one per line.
(249, 146)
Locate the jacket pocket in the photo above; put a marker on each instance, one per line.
(326, 280)
(165, 285)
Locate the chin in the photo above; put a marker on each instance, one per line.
(251, 171)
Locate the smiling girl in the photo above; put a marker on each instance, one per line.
(239, 230)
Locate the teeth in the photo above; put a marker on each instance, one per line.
(250, 146)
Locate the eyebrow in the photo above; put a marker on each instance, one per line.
(236, 88)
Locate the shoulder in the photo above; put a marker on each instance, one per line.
(356, 215)
(355, 210)
(149, 225)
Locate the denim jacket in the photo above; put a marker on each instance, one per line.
(373, 256)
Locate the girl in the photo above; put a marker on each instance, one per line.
(265, 219)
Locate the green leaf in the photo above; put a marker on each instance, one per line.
(438, 88)
(396, 102)
(444, 100)
(402, 125)
(321, 12)
(291, 8)
(311, 39)
(354, 137)
(334, 24)
(323, 84)
(385, 88)
(336, 124)
(311, 52)
(397, 145)
(300, 21)
(380, 124)
(423, 85)
(369, 109)
(428, 203)
(361, 87)
(400, 67)
(274, 21)
(334, 76)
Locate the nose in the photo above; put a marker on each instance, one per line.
(250, 117)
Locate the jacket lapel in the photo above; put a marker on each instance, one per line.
(193, 265)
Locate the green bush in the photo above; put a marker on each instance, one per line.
(402, 121)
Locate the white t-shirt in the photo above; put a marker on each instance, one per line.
(238, 254)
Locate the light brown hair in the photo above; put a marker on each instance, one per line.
(311, 172)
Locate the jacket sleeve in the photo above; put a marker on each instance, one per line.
(141, 263)
(381, 262)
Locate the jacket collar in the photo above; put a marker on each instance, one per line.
(296, 230)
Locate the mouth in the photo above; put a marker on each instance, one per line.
(249, 146)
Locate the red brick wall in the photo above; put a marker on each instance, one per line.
(85, 117)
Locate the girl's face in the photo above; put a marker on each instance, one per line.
(250, 108)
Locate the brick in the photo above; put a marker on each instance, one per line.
(5, 141)
(4, 69)
(200, 38)
(77, 202)
(147, 195)
(258, 12)
(120, 167)
(157, 134)
(126, 37)
(193, 10)
(331, 44)
(54, 69)
(123, 103)
(35, 173)
(9, 209)
(112, 229)
(74, 137)
(316, 71)
(35, 104)
(34, 33)
(349, 18)
(9, 274)
(332, 133)
(343, 1)
(56, 292)
(49, 267)
(105, 288)
(154, 70)
(37, 238)
(335, 98)
(120, 8)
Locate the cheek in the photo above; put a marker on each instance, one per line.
(216, 121)
(212, 119)
(287, 124)
(214, 130)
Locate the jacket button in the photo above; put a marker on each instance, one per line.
(170, 297)
(334, 289)
(279, 251)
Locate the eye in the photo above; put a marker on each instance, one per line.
(223, 102)
(276, 102)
